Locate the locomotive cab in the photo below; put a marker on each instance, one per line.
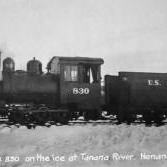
(80, 88)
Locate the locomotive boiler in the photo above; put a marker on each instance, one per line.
(30, 86)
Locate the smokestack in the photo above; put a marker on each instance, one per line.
(0, 60)
(0, 66)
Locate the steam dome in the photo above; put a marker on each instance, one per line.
(34, 66)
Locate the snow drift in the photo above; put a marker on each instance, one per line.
(85, 146)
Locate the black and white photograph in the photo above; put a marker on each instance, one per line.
(83, 83)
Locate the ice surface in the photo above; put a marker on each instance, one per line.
(106, 140)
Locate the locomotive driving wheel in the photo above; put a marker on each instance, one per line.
(60, 116)
(91, 115)
(16, 117)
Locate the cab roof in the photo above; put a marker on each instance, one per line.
(77, 60)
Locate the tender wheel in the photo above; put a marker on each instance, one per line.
(147, 116)
(121, 117)
(86, 115)
(158, 118)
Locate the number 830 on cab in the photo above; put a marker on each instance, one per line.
(80, 91)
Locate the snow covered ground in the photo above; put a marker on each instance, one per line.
(84, 145)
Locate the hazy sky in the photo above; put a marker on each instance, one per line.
(130, 35)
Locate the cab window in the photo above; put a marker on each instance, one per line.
(90, 73)
(71, 73)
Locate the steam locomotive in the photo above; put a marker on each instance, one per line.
(72, 88)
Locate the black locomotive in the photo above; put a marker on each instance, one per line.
(72, 88)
